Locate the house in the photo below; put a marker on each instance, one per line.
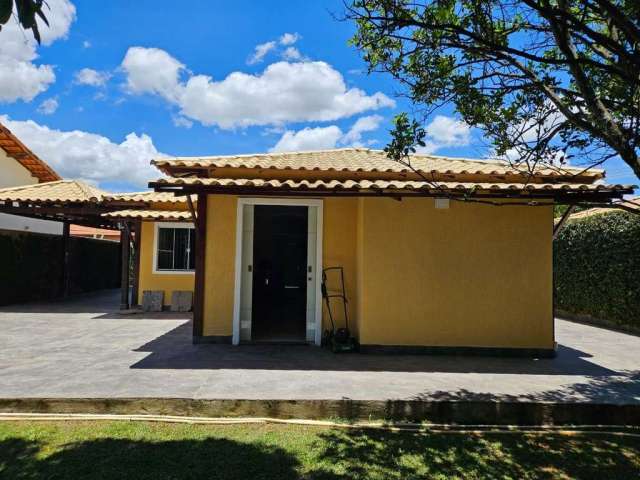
(20, 166)
(439, 254)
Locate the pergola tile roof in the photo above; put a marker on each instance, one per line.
(14, 148)
(148, 196)
(358, 160)
(159, 215)
(60, 191)
(363, 185)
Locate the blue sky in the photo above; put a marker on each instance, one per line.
(117, 83)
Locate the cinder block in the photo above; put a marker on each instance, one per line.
(181, 300)
(152, 300)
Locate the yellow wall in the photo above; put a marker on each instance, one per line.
(339, 250)
(470, 275)
(158, 281)
(220, 265)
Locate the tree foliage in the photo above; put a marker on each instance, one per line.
(546, 80)
(27, 11)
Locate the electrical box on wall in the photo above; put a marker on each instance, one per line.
(442, 203)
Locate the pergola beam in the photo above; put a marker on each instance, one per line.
(544, 195)
(65, 273)
(200, 222)
(124, 266)
(137, 231)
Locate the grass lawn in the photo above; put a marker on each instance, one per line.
(141, 450)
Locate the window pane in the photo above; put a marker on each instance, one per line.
(165, 249)
(165, 260)
(165, 239)
(180, 252)
(192, 249)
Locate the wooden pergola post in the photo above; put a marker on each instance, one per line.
(200, 222)
(124, 266)
(65, 274)
(137, 231)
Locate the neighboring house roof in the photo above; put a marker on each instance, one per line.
(29, 160)
(632, 204)
(167, 215)
(361, 161)
(92, 232)
(360, 171)
(61, 191)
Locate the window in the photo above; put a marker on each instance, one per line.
(175, 249)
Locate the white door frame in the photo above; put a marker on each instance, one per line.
(303, 202)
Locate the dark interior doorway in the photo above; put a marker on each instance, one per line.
(279, 274)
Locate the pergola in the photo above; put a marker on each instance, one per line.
(73, 201)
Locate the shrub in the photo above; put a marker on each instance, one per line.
(597, 268)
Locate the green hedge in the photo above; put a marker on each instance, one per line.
(31, 266)
(597, 268)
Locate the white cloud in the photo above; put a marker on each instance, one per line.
(319, 138)
(86, 44)
(49, 106)
(322, 138)
(283, 92)
(286, 40)
(443, 132)
(89, 76)
(289, 38)
(362, 125)
(180, 121)
(151, 70)
(88, 156)
(20, 77)
(291, 54)
(447, 131)
(260, 52)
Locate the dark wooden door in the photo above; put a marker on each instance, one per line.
(279, 273)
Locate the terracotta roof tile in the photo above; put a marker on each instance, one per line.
(630, 204)
(359, 185)
(147, 196)
(358, 160)
(150, 215)
(61, 191)
(14, 148)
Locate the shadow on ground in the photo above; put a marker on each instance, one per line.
(357, 453)
(175, 350)
(617, 390)
(130, 459)
(333, 454)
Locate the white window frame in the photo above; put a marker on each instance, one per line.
(156, 237)
(238, 266)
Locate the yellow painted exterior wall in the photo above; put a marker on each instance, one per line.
(220, 265)
(339, 250)
(158, 281)
(469, 276)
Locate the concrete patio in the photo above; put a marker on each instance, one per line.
(83, 348)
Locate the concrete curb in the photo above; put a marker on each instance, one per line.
(437, 412)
